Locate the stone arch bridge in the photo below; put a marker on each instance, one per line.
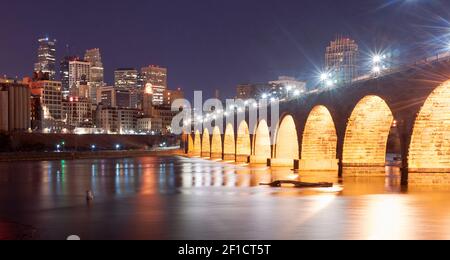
(350, 130)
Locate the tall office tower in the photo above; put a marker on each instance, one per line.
(157, 77)
(46, 57)
(95, 59)
(79, 73)
(341, 60)
(64, 73)
(125, 78)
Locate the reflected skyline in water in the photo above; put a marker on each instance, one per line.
(188, 198)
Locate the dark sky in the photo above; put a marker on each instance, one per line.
(209, 44)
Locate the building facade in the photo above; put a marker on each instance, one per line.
(94, 58)
(125, 78)
(46, 61)
(64, 73)
(156, 77)
(79, 72)
(117, 120)
(282, 88)
(341, 60)
(171, 95)
(50, 94)
(123, 98)
(77, 112)
(107, 96)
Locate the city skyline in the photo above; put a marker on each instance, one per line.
(269, 39)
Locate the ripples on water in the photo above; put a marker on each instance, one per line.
(185, 198)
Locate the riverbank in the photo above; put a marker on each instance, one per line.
(52, 156)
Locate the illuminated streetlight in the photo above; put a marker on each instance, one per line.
(329, 83)
(324, 76)
(376, 70)
(376, 59)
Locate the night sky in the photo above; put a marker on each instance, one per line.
(217, 44)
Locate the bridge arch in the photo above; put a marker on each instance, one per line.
(262, 148)
(319, 145)
(216, 145)
(190, 143)
(243, 143)
(206, 144)
(366, 138)
(197, 151)
(229, 144)
(286, 148)
(430, 142)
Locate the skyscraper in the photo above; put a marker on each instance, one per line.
(341, 60)
(46, 62)
(157, 77)
(93, 56)
(79, 72)
(125, 78)
(64, 73)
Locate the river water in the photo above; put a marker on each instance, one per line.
(184, 198)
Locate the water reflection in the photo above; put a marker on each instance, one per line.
(181, 198)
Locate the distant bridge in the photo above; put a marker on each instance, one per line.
(346, 130)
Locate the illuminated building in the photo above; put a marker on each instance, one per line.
(246, 91)
(123, 98)
(64, 73)
(341, 60)
(50, 96)
(96, 81)
(117, 120)
(145, 124)
(157, 77)
(46, 57)
(286, 87)
(125, 78)
(171, 95)
(283, 87)
(165, 115)
(76, 111)
(114, 97)
(107, 96)
(14, 106)
(79, 71)
(147, 101)
(94, 58)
